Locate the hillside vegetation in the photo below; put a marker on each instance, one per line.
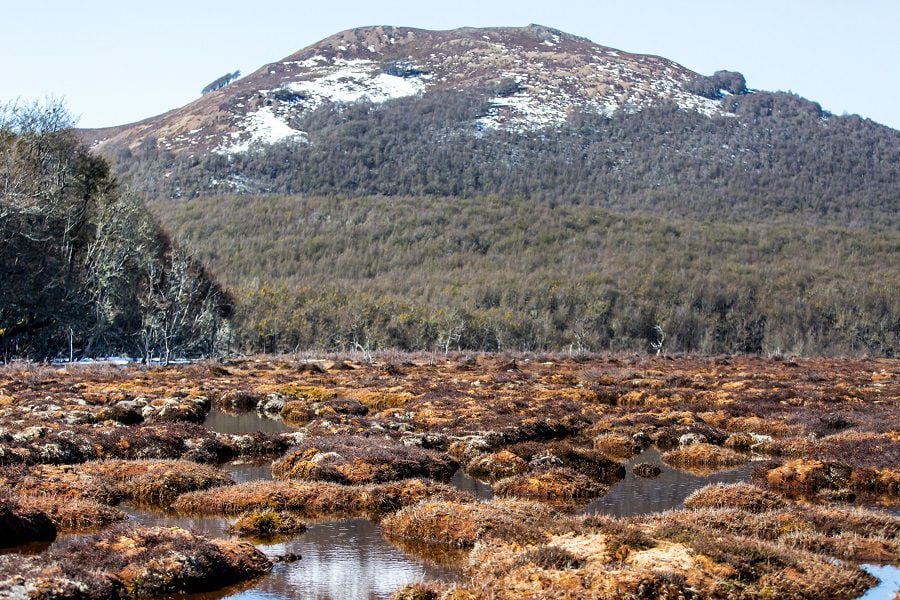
(515, 274)
(781, 158)
(84, 268)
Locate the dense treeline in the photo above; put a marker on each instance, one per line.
(491, 273)
(85, 269)
(779, 157)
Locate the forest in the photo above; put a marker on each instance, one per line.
(490, 273)
(772, 157)
(86, 269)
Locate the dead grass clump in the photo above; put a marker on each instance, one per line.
(314, 499)
(703, 455)
(496, 465)
(73, 514)
(737, 495)
(267, 524)
(40, 577)
(157, 560)
(805, 475)
(193, 410)
(356, 460)
(616, 445)
(562, 484)
(378, 400)
(21, 523)
(550, 558)
(463, 524)
(62, 481)
(157, 481)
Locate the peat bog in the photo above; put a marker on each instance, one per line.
(465, 477)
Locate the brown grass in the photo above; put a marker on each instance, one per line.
(357, 460)
(314, 499)
(73, 514)
(496, 465)
(704, 455)
(561, 484)
(267, 524)
(737, 495)
(461, 525)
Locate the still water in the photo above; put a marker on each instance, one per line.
(339, 559)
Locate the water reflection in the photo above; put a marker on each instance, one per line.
(341, 559)
(466, 483)
(635, 495)
(888, 582)
(245, 472)
(244, 422)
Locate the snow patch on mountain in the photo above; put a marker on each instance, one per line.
(262, 127)
(348, 81)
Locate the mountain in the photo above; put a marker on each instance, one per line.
(522, 188)
(538, 76)
(517, 112)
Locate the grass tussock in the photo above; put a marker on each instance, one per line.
(496, 465)
(315, 499)
(461, 525)
(743, 496)
(559, 484)
(267, 524)
(704, 455)
(73, 514)
(155, 482)
(354, 460)
(127, 562)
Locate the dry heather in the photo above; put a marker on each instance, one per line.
(315, 499)
(267, 524)
(356, 460)
(131, 563)
(558, 484)
(463, 524)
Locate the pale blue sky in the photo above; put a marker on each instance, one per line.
(119, 61)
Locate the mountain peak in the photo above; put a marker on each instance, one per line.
(533, 77)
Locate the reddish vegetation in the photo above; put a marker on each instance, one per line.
(74, 442)
(315, 499)
(355, 460)
(132, 563)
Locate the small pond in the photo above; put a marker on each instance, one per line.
(635, 495)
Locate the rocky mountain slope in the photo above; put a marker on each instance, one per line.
(538, 76)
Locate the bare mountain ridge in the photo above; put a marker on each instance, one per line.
(538, 75)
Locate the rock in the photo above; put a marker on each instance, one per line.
(689, 439)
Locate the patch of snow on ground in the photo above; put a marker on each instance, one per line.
(355, 80)
(261, 127)
(523, 112)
